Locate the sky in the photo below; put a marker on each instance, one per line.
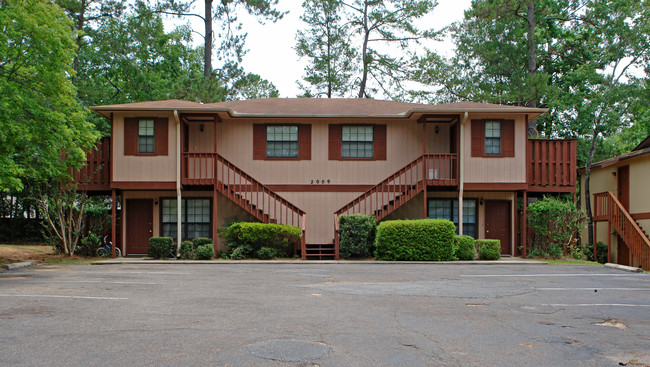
(270, 46)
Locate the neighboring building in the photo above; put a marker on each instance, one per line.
(621, 198)
(305, 161)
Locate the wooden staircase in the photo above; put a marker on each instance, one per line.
(245, 191)
(436, 169)
(608, 208)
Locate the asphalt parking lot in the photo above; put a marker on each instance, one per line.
(324, 315)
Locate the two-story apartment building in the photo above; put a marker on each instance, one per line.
(186, 167)
(620, 204)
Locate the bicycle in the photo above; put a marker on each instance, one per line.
(106, 249)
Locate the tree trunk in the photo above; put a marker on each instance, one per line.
(532, 61)
(364, 53)
(207, 56)
(590, 158)
(79, 27)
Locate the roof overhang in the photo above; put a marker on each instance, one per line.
(406, 113)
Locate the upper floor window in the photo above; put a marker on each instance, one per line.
(492, 137)
(146, 136)
(282, 141)
(357, 142)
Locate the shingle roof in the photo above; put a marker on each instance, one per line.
(318, 107)
(610, 161)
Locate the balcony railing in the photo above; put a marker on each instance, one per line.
(95, 174)
(551, 164)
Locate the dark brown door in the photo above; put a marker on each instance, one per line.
(623, 253)
(624, 186)
(139, 225)
(497, 223)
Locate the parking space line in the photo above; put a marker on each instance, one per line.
(593, 304)
(546, 275)
(100, 281)
(594, 288)
(60, 296)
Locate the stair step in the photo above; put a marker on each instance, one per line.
(319, 251)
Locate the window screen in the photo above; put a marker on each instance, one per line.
(282, 141)
(357, 142)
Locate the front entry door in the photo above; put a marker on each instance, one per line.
(497, 223)
(139, 225)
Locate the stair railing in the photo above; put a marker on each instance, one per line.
(607, 207)
(244, 190)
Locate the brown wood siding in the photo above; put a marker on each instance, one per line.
(130, 136)
(161, 132)
(508, 138)
(478, 138)
(380, 142)
(334, 138)
(304, 142)
(259, 141)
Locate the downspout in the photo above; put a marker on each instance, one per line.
(178, 182)
(461, 166)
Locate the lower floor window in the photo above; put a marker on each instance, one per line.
(448, 209)
(195, 218)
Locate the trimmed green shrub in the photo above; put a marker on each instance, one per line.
(200, 241)
(601, 252)
(187, 250)
(554, 224)
(488, 249)
(357, 235)
(88, 245)
(267, 253)
(416, 240)
(464, 247)
(160, 247)
(244, 239)
(241, 253)
(205, 252)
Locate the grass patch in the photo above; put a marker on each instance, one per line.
(70, 261)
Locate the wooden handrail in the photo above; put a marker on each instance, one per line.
(200, 168)
(607, 207)
(437, 169)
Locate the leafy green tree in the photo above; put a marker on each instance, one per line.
(42, 127)
(506, 53)
(325, 44)
(615, 40)
(380, 25)
(225, 14)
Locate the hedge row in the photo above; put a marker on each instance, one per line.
(357, 235)
(415, 240)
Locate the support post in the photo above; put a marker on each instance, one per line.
(424, 169)
(609, 241)
(524, 229)
(179, 214)
(594, 224)
(215, 179)
(113, 221)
